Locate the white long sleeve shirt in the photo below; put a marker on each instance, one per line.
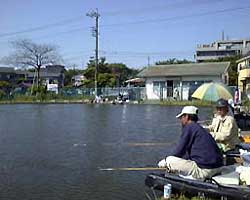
(225, 131)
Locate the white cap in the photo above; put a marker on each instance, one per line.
(188, 110)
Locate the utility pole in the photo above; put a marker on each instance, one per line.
(95, 32)
(148, 61)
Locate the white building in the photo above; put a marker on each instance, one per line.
(77, 80)
(179, 81)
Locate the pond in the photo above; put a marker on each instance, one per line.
(55, 151)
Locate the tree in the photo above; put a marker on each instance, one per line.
(122, 72)
(109, 74)
(233, 75)
(5, 87)
(29, 54)
(89, 73)
(173, 61)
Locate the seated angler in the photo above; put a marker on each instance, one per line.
(224, 128)
(197, 153)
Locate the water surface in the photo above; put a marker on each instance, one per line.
(54, 152)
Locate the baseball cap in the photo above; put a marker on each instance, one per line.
(221, 103)
(188, 110)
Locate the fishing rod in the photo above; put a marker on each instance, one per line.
(177, 124)
(133, 169)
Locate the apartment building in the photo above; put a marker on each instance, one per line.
(222, 48)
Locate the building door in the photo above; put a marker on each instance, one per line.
(170, 85)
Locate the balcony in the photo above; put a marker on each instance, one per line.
(244, 74)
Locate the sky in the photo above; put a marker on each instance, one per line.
(137, 33)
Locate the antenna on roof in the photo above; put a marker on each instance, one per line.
(222, 35)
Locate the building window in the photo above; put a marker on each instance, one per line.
(239, 67)
(158, 86)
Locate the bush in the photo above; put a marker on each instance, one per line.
(2, 94)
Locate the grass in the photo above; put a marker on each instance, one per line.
(29, 99)
(53, 98)
(180, 103)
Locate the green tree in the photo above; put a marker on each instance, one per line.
(109, 74)
(5, 88)
(173, 61)
(89, 73)
(4, 84)
(233, 75)
(106, 80)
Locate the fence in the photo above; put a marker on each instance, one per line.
(131, 93)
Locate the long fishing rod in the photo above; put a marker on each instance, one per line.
(177, 124)
(133, 169)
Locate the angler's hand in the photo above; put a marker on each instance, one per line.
(162, 163)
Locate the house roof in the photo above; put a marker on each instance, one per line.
(54, 68)
(44, 74)
(7, 70)
(191, 69)
(135, 80)
(18, 71)
(242, 59)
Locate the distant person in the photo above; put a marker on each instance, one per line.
(98, 99)
(236, 97)
(197, 153)
(176, 94)
(224, 128)
(231, 107)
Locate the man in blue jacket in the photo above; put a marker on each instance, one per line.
(197, 153)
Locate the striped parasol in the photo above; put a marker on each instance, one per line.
(212, 92)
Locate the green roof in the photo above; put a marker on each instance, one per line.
(192, 69)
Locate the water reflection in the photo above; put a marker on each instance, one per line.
(124, 108)
(55, 151)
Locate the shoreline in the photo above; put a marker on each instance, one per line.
(88, 101)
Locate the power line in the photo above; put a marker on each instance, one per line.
(163, 8)
(158, 20)
(177, 17)
(88, 53)
(143, 53)
(38, 28)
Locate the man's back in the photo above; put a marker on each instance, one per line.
(198, 145)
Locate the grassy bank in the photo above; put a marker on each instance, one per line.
(54, 99)
(180, 103)
(42, 99)
(81, 99)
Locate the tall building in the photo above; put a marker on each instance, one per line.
(222, 48)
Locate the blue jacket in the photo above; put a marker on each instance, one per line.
(198, 145)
